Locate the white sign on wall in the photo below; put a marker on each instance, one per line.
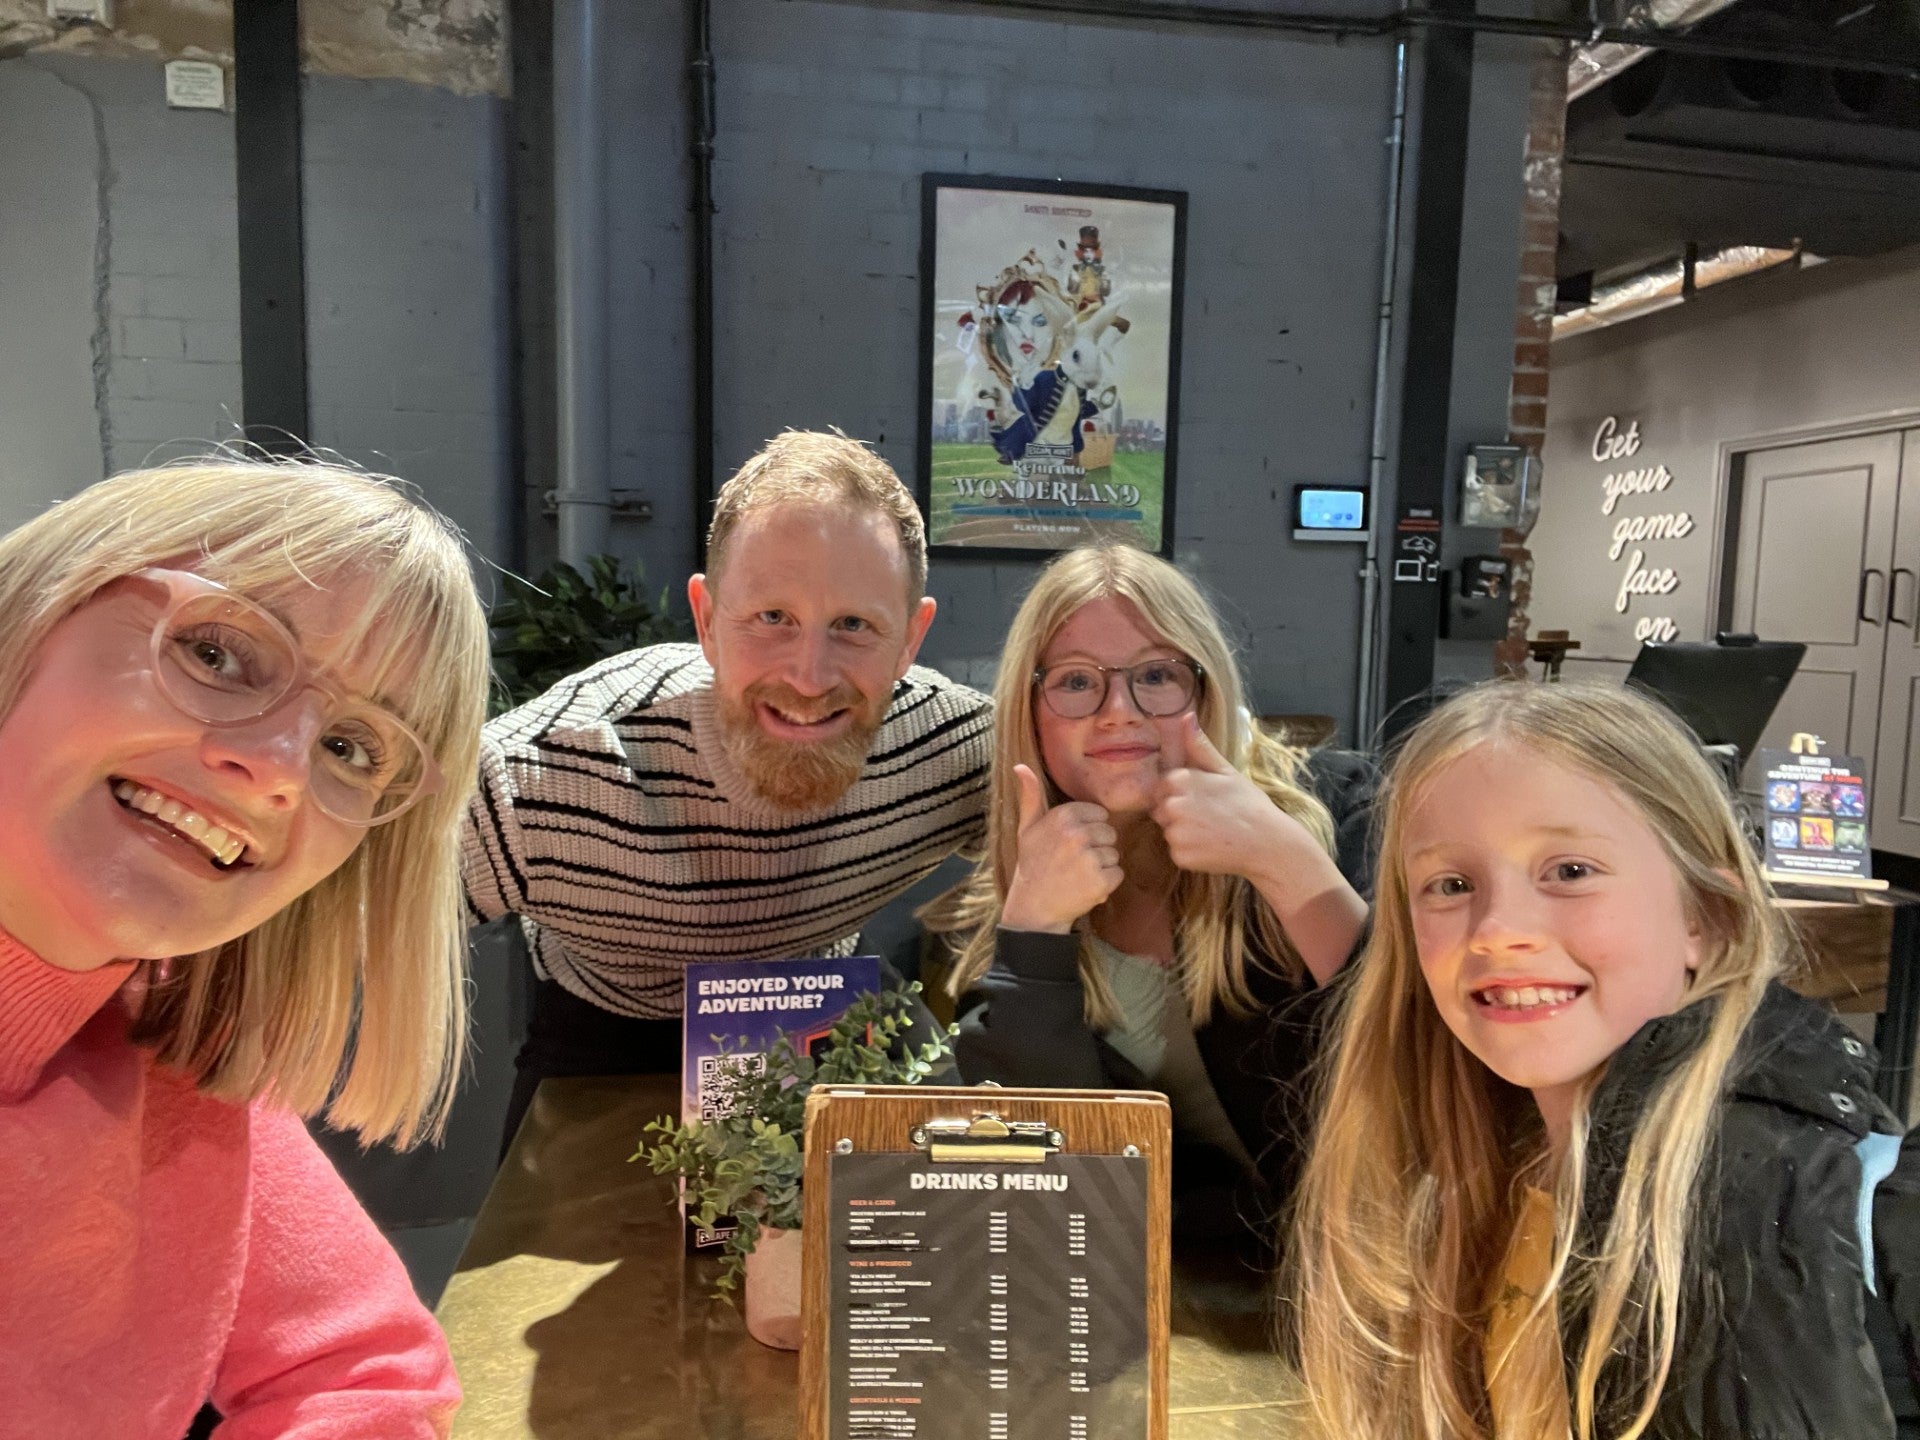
(1643, 580)
(196, 85)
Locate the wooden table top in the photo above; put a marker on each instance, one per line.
(1847, 947)
(574, 1314)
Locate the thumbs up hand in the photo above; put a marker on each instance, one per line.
(1068, 861)
(1216, 821)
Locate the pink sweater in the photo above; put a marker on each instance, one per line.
(159, 1249)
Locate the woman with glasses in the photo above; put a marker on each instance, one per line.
(240, 704)
(1159, 886)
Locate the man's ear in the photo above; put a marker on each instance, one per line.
(917, 624)
(700, 602)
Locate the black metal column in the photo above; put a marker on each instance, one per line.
(1439, 176)
(1898, 1030)
(701, 129)
(273, 282)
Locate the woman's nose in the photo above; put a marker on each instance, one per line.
(272, 755)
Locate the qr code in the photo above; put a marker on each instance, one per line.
(720, 1077)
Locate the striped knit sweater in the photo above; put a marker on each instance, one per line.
(610, 819)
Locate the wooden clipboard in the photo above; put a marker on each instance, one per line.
(1034, 1142)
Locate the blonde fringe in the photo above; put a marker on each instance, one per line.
(351, 1002)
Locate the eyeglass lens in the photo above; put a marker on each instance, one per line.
(223, 660)
(1160, 688)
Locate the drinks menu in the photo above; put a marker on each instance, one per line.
(988, 1301)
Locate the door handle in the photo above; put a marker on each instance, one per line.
(1893, 600)
(1861, 608)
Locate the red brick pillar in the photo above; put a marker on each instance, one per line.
(1533, 327)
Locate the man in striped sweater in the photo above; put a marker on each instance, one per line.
(760, 794)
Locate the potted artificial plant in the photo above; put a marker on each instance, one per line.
(547, 629)
(747, 1164)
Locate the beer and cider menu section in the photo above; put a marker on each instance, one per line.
(988, 1301)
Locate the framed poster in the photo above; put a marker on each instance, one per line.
(1049, 363)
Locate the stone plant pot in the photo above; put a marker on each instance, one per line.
(773, 1290)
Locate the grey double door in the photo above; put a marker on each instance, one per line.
(1827, 552)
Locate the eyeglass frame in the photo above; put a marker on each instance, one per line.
(1107, 672)
(185, 586)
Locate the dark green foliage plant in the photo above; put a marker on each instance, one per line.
(547, 629)
(747, 1164)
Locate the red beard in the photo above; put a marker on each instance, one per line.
(798, 774)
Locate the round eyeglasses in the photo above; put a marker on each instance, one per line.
(221, 659)
(1159, 687)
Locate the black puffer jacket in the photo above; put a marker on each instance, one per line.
(1024, 1024)
(1776, 1340)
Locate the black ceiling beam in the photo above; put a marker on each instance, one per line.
(1400, 22)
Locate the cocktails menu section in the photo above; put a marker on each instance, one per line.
(988, 1301)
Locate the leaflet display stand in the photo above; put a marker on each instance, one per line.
(985, 1264)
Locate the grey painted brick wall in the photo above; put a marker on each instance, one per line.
(176, 268)
(49, 436)
(829, 113)
(406, 271)
(650, 279)
(165, 249)
(407, 335)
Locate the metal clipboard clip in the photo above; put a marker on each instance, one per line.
(987, 1139)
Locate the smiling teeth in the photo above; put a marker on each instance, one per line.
(1528, 996)
(224, 848)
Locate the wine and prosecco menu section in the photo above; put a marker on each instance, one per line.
(990, 1301)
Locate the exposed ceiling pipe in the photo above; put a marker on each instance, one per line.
(1367, 684)
(1591, 66)
(1415, 18)
(1668, 283)
(1654, 288)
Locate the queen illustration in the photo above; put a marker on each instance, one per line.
(1026, 330)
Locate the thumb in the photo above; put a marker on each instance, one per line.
(1201, 754)
(1033, 795)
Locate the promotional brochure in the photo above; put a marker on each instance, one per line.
(736, 1010)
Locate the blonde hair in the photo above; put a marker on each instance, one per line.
(1413, 1186)
(351, 1001)
(1217, 919)
(810, 467)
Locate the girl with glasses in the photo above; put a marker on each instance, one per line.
(239, 703)
(1159, 887)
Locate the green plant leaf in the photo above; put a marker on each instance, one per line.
(749, 1164)
(559, 625)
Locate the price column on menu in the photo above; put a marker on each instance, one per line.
(988, 1301)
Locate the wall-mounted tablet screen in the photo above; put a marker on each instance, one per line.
(1329, 512)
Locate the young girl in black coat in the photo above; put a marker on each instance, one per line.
(1585, 1168)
